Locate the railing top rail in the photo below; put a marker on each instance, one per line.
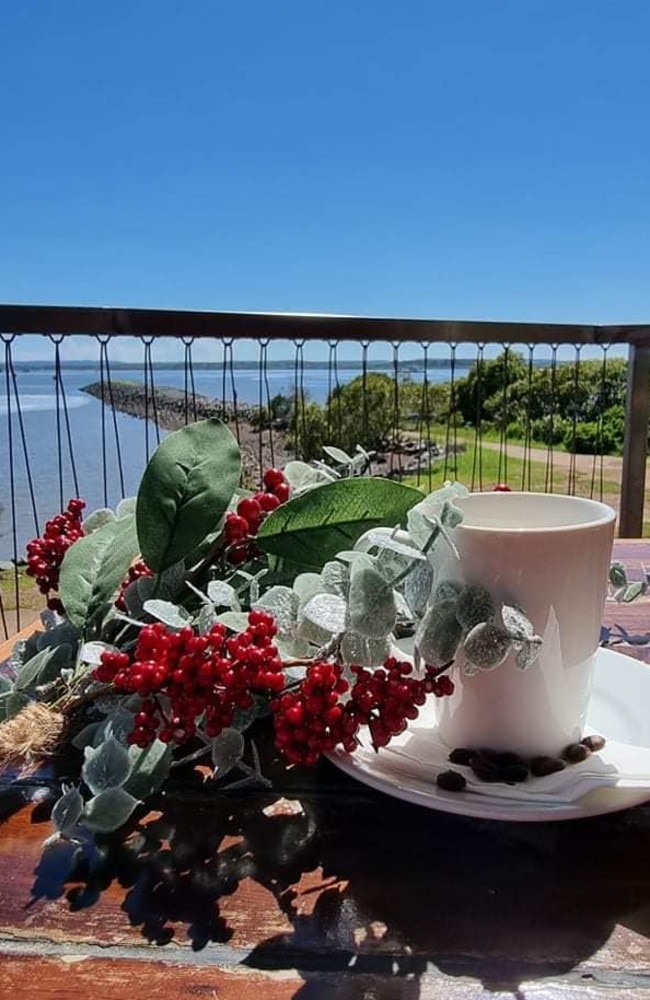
(92, 320)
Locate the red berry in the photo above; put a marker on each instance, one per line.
(282, 492)
(268, 502)
(249, 509)
(501, 488)
(236, 527)
(272, 479)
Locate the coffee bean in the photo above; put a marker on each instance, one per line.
(484, 769)
(507, 758)
(451, 781)
(513, 774)
(541, 766)
(594, 743)
(575, 753)
(461, 755)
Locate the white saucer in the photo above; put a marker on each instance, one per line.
(619, 710)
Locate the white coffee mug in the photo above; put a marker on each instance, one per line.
(550, 555)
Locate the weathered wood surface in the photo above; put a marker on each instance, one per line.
(360, 896)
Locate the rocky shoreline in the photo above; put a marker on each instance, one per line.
(171, 409)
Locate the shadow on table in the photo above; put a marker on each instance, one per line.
(403, 889)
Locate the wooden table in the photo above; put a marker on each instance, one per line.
(359, 896)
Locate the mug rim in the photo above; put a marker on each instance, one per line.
(603, 513)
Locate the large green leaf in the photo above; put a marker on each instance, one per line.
(311, 529)
(94, 567)
(185, 490)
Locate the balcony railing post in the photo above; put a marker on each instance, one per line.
(635, 446)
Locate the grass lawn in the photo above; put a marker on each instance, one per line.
(480, 469)
(30, 600)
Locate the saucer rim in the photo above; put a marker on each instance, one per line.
(477, 806)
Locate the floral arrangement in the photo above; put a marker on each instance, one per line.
(329, 605)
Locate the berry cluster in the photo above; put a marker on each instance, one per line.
(311, 720)
(136, 571)
(438, 683)
(386, 699)
(242, 526)
(314, 719)
(185, 678)
(45, 555)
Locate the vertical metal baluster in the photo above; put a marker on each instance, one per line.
(502, 469)
(102, 391)
(477, 461)
(528, 446)
(233, 388)
(548, 477)
(597, 469)
(573, 470)
(424, 414)
(103, 347)
(7, 339)
(264, 362)
(451, 438)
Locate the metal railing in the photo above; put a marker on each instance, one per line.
(423, 350)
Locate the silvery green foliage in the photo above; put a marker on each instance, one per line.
(172, 615)
(306, 586)
(226, 749)
(474, 605)
(108, 810)
(528, 651)
(223, 595)
(487, 645)
(617, 575)
(417, 588)
(302, 477)
(67, 811)
(357, 649)
(335, 578)
(439, 634)
(516, 622)
(447, 590)
(437, 508)
(372, 606)
(98, 519)
(149, 769)
(106, 766)
(137, 593)
(282, 603)
(323, 616)
(337, 455)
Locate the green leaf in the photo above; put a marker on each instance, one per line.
(94, 567)
(227, 750)
(312, 528)
(5, 684)
(337, 454)
(125, 507)
(438, 634)
(185, 490)
(14, 703)
(106, 766)
(109, 810)
(617, 575)
(487, 645)
(282, 603)
(44, 666)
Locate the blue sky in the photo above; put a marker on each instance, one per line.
(484, 159)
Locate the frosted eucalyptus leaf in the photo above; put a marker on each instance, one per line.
(323, 616)
(291, 647)
(474, 605)
(487, 645)
(120, 725)
(450, 515)
(336, 578)
(438, 634)
(57, 634)
(360, 651)
(384, 538)
(227, 749)
(206, 618)
(149, 769)
(236, 621)
(169, 614)
(301, 476)
(5, 684)
(86, 738)
(528, 652)
(91, 652)
(306, 585)
(617, 575)
(633, 591)
(417, 588)
(67, 811)
(337, 454)
(516, 622)
(98, 519)
(109, 810)
(223, 595)
(447, 590)
(106, 766)
(282, 603)
(373, 611)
